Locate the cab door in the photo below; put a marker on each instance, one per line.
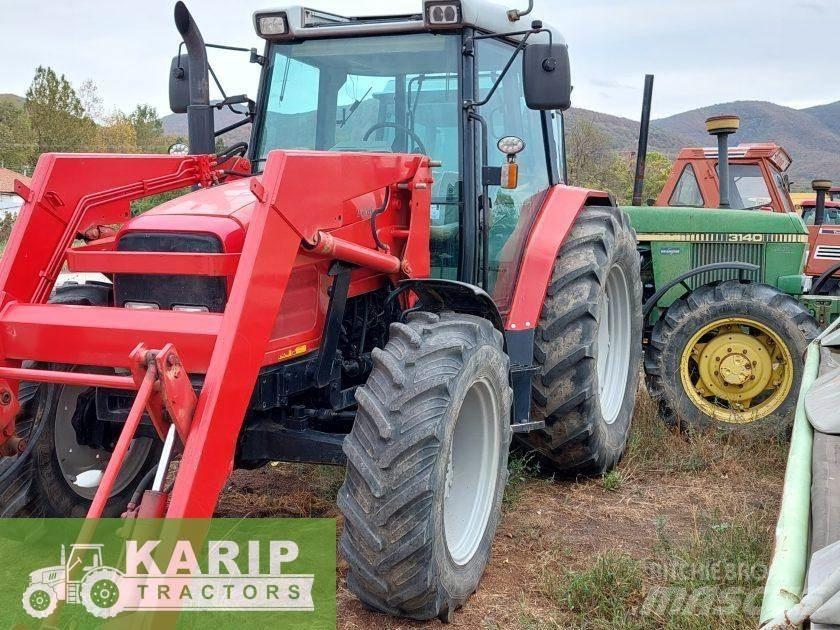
(511, 211)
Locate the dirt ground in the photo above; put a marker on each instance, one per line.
(578, 552)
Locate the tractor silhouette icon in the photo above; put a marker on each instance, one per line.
(80, 578)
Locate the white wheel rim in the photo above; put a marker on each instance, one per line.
(78, 462)
(471, 473)
(614, 343)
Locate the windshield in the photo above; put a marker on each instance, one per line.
(384, 94)
(747, 188)
(832, 215)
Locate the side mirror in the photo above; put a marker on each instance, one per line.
(547, 76)
(179, 84)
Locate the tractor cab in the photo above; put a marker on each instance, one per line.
(757, 179)
(458, 82)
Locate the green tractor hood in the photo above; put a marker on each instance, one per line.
(678, 220)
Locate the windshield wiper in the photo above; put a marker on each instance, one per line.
(353, 109)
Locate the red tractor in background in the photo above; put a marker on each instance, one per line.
(757, 181)
(390, 275)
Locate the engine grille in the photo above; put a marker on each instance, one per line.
(710, 253)
(828, 252)
(169, 290)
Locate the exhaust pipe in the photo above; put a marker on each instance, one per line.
(644, 133)
(723, 127)
(200, 123)
(821, 187)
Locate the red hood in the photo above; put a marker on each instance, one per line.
(228, 200)
(223, 210)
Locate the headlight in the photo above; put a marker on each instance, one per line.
(443, 14)
(142, 306)
(511, 145)
(272, 25)
(188, 308)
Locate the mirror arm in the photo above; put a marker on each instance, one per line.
(239, 123)
(537, 28)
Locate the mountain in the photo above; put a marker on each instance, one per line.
(14, 99)
(811, 136)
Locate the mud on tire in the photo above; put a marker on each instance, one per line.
(411, 411)
(762, 303)
(579, 437)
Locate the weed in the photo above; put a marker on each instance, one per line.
(612, 480)
(521, 468)
(605, 593)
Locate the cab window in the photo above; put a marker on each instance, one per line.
(747, 187)
(687, 191)
(375, 94)
(512, 211)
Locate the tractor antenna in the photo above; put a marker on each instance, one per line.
(644, 133)
(514, 15)
(200, 122)
(723, 127)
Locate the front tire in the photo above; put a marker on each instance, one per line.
(427, 466)
(729, 355)
(588, 347)
(63, 472)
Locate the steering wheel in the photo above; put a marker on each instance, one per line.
(385, 125)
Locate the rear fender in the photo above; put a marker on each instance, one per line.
(549, 231)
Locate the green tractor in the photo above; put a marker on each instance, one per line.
(727, 320)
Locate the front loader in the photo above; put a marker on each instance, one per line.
(391, 275)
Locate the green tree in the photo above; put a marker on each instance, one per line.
(56, 114)
(148, 129)
(117, 135)
(589, 155)
(619, 177)
(18, 143)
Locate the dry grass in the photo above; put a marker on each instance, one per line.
(588, 552)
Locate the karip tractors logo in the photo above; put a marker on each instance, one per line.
(182, 583)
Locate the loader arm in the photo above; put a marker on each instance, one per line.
(293, 214)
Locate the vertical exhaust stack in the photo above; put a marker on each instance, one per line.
(200, 124)
(644, 133)
(821, 187)
(723, 127)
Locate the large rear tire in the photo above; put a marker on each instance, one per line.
(427, 466)
(729, 355)
(588, 346)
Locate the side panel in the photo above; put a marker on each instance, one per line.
(560, 209)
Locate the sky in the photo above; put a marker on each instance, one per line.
(702, 51)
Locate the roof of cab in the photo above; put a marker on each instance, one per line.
(484, 15)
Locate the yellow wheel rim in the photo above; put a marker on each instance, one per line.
(736, 370)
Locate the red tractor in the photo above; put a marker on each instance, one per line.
(758, 180)
(390, 275)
